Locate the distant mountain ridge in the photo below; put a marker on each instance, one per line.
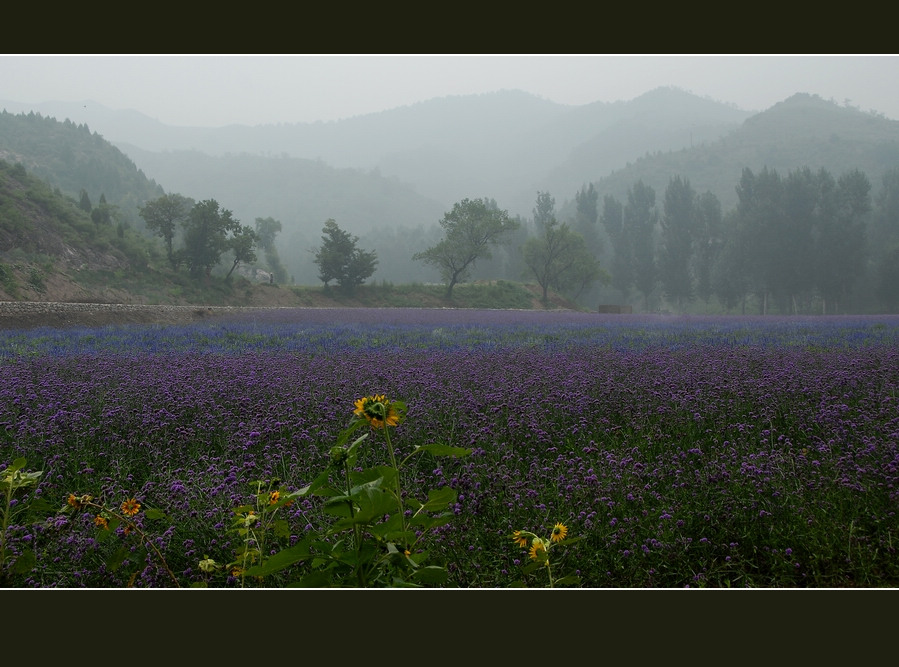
(501, 145)
(390, 176)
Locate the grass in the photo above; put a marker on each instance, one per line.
(677, 452)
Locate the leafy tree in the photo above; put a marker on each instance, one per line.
(841, 237)
(884, 241)
(730, 272)
(708, 242)
(266, 230)
(622, 253)
(206, 236)
(339, 258)
(887, 277)
(163, 216)
(762, 221)
(558, 257)
(676, 250)
(640, 218)
(544, 211)
(243, 245)
(471, 228)
(587, 215)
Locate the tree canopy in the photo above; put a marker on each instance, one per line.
(471, 228)
(558, 257)
(339, 259)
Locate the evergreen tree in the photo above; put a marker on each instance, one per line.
(85, 202)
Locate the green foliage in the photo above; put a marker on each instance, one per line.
(471, 228)
(206, 236)
(267, 229)
(14, 480)
(163, 216)
(377, 535)
(558, 257)
(339, 259)
(70, 158)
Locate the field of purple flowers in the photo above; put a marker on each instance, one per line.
(716, 452)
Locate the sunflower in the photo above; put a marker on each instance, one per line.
(78, 501)
(538, 549)
(130, 507)
(560, 530)
(378, 410)
(274, 497)
(101, 522)
(519, 539)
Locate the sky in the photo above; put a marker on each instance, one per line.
(218, 90)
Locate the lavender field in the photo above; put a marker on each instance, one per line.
(681, 452)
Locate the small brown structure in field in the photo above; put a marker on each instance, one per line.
(615, 310)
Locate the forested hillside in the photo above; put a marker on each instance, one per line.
(802, 131)
(73, 159)
(796, 210)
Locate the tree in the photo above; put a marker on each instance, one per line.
(640, 218)
(708, 242)
(471, 228)
(163, 216)
(622, 254)
(587, 199)
(676, 250)
(85, 202)
(544, 211)
(840, 251)
(883, 241)
(339, 259)
(243, 244)
(762, 222)
(206, 236)
(102, 215)
(558, 257)
(266, 230)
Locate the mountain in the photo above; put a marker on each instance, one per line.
(803, 130)
(389, 177)
(504, 145)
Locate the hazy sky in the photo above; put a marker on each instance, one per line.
(216, 90)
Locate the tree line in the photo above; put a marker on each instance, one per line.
(804, 242)
(801, 243)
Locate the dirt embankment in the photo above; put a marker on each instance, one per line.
(58, 301)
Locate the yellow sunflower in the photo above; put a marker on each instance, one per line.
(101, 522)
(378, 410)
(560, 530)
(519, 539)
(130, 507)
(274, 497)
(78, 501)
(537, 548)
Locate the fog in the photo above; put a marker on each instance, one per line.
(214, 91)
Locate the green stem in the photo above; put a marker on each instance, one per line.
(357, 529)
(143, 538)
(396, 481)
(6, 511)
